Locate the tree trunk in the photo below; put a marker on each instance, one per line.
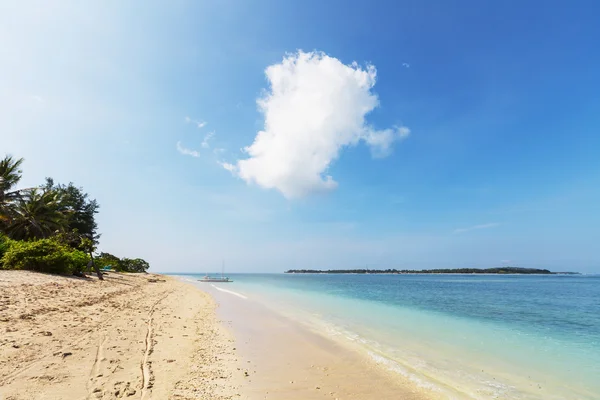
(96, 268)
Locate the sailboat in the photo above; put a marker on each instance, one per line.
(208, 278)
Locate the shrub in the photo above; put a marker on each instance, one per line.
(108, 260)
(44, 255)
(135, 265)
(5, 244)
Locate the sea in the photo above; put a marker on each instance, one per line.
(461, 336)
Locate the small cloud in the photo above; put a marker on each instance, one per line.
(199, 124)
(406, 65)
(403, 132)
(37, 98)
(186, 151)
(381, 142)
(476, 227)
(208, 136)
(218, 151)
(229, 167)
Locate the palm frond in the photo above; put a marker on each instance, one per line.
(10, 173)
(34, 214)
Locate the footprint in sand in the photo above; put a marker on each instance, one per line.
(123, 389)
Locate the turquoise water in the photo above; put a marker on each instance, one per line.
(471, 336)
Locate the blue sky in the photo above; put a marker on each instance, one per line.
(501, 165)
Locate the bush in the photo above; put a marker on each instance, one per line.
(5, 244)
(44, 255)
(135, 265)
(108, 260)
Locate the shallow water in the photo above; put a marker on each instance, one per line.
(475, 336)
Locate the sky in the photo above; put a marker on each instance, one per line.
(321, 134)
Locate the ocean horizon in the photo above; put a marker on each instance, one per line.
(462, 335)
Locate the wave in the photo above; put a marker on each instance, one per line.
(230, 292)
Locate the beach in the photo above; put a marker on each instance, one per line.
(129, 336)
(416, 336)
(150, 336)
(288, 360)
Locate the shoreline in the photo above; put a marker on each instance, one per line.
(285, 359)
(446, 356)
(151, 336)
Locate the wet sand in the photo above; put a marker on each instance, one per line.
(285, 360)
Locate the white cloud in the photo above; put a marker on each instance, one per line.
(199, 124)
(208, 136)
(406, 65)
(475, 227)
(229, 167)
(381, 141)
(37, 98)
(186, 151)
(315, 106)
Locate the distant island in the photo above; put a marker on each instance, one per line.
(501, 270)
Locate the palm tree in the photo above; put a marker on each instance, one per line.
(10, 175)
(34, 214)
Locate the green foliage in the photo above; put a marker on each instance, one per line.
(10, 175)
(87, 245)
(44, 255)
(107, 259)
(79, 209)
(34, 214)
(135, 265)
(5, 243)
(121, 265)
(50, 228)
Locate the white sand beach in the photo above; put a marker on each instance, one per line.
(150, 336)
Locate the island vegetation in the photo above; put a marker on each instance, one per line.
(51, 227)
(500, 270)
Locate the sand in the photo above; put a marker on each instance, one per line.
(137, 336)
(287, 360)
(145, 336)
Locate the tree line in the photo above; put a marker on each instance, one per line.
(500, 270)
(51, 227)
